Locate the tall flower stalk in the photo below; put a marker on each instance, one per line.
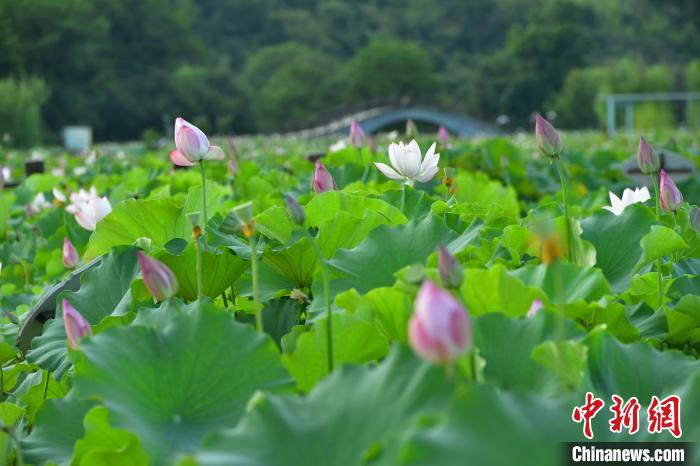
(550, 145)
(649, 164)
(298, 216)
(204, 193)
(254, 272)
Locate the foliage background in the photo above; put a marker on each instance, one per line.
(262, 65)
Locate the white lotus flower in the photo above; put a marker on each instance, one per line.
(406, 160)
(338, 145)
(38, 204)
(629, 197)
(88, 208)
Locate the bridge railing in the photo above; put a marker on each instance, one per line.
(341, 111)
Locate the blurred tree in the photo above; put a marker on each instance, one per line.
(391, 68)
(287, 83)
(20, 110)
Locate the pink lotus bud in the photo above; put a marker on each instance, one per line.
(70, 255)
(76, 326)
(647, 158)
(357, 135)
(547, 137)
(451, 272)
(443, 136)
(295, 211)
(670, 197)
(534, 308)
(411, 129)
(192, 145)
(159, 279)
(323, 181)
(439, 330)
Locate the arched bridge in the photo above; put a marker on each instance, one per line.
(375, 119)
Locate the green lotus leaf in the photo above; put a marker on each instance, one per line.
(172, 387)
(341, 411)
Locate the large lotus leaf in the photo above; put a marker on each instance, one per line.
(104, 291)
(347, 231)
(506, 345)
(391, 307)
(58, 425)
(354, 341)
(133, 219)
(565, 282)
(487, 427)
(494, 290)
(659, 242)
(338, 423)
(372, 263)
(295, 262)
(219, 270)
(635, 369)
(6, 201)
(323, 207)
(171, 387)
(193, 203)
(274, 223)
(616, 239)
(477, 188)
(684, 320)
(106, 446)
(414, 204)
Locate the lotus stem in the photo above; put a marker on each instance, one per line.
(655, 182)
(567, 220)
(254, 272)
(327, 301)
(204, 194)
(200, 271)
(365, 174)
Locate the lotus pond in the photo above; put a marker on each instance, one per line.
(451, 311)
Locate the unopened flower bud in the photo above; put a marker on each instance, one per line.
(547, 138)
(158, 277)
(439, 330)
(451, 272)
(647, 158)
(75, 324)
(71, 259)
(669, 195)
(295, 211)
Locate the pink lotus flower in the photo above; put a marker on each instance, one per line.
(451, 272)
(647, 158)
(159, 279)
(535, 307)
(443, 136)
(547, 138)
(439, 330)
(357, 135)
(71, 259)
(323, 180)
(670, 196)
(192, 145)
(76, 326)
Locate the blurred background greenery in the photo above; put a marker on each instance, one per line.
(127, 67)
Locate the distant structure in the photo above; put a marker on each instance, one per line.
(375, 119)
(680, 168)
(77, 138)
(627, 101)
